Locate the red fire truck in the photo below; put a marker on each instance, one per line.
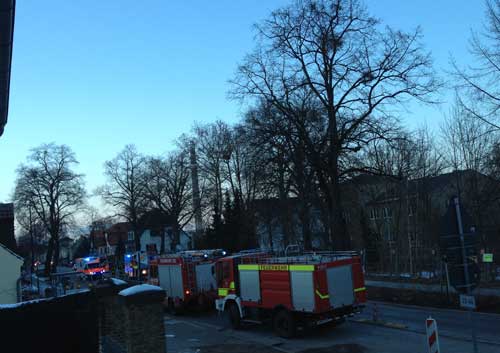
(294, 291)
(187, 277)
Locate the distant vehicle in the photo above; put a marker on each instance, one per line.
(291, 291)
(187, 277)
(91, 266)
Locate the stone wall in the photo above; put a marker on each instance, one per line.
(133, 323)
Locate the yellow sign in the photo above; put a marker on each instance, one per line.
(273, 267)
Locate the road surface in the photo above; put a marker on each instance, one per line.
(403, 332)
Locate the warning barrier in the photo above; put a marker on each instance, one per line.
(432, 335)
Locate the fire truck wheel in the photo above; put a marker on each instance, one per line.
(234, 315)
(172, 309)
(284, 324)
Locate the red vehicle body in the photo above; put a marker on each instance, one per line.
(294, 292)
(91, 266)
(188, 278)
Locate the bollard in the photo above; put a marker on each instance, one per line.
(375, 312)
(432, 335)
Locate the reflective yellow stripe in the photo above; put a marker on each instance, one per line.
(359, 289)
(326, 296)
(231, 285)
(223, 292)
(277, 267)
(248, 267)
(273, 267)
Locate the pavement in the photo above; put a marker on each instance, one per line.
(399, 328)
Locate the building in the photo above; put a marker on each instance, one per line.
(107, 242)
(397, 223)
(156, 238)
(65, 250)
(10, 273)
(7, 237)
(7, 11)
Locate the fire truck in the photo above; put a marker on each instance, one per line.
(293, 292)
(187, 277)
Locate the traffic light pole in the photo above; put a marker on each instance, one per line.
(466, 269)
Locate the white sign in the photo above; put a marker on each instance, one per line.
(467, 301)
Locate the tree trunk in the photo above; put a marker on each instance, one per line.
(56, 255)
(305, 221)
(176, 236)
(48, 257)
(162, 245)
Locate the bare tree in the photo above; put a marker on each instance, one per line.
(479, 83)
(327, 66)
(212, 150)
(125, 190)
(169, 190)
(470, 144)
(51, 191)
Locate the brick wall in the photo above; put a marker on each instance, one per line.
(133, 324)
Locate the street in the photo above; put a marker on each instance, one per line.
(400, 328)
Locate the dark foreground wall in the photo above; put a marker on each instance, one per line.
(59, 325)
(96, 321)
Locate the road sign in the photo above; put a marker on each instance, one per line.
(487, 257)
(467, 301)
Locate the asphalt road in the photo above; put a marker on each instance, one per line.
(208, 333)
(451, 323)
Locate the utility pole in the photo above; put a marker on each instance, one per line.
(196, 191)
(466, 269)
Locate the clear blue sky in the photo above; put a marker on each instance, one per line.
(96, 75)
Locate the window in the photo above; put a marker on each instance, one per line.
(411, 210)
(374, 213)
(387, 212)
(388, 234)
(130, 235)
(346, 216)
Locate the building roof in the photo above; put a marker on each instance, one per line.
(11, 252)
(7, 15)
(6, 209)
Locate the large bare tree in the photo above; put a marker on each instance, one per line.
(169, 190)
(329, 67)
(50, 190)
(478, 83)
(125, 190)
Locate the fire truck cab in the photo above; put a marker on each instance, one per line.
(187, 277)
(293, 292)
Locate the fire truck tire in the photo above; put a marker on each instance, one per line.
(233, 315)
(172, 309)
(284, 324)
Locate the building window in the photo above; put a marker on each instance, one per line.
(346, 216)
(374, 213)
(387, 212)
(388, 234)
(411, 210)
(130, 235)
